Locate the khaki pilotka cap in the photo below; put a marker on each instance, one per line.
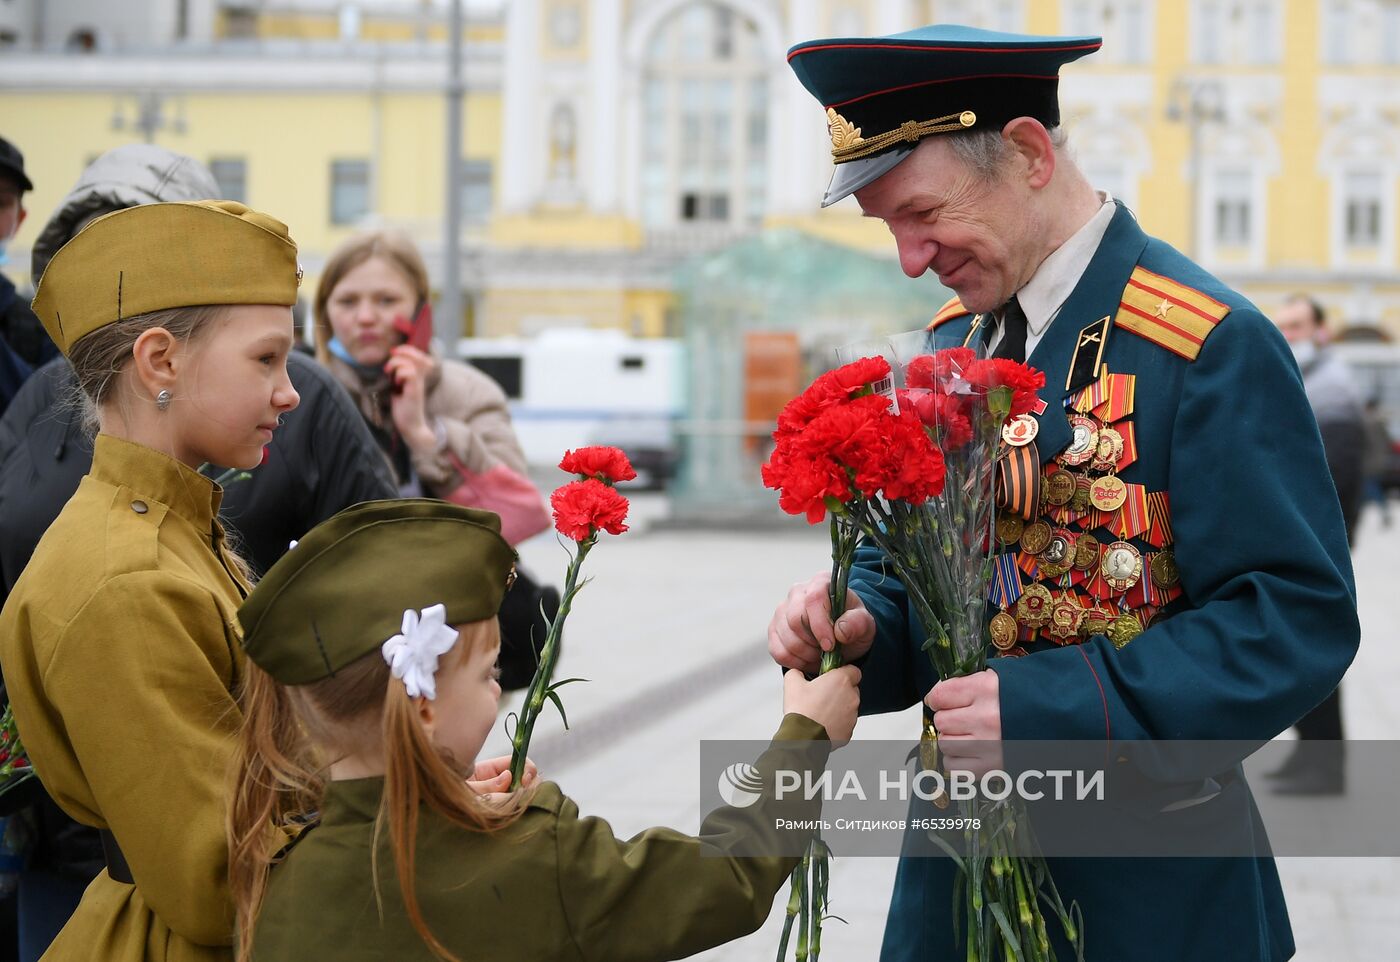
(341, 592)
(159, 256)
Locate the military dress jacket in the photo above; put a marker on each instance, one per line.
(120, 647)
(1239, 616)
(552, 886)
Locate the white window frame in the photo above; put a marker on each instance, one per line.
(1343, 251)
(739, 75)
(1106, 17)
(1208, 241)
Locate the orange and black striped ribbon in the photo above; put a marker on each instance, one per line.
(1018, 481)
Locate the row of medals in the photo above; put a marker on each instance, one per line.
(1095, 450)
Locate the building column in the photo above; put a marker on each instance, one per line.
(602, 134)
(522, 154)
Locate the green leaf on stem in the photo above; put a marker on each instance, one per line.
(1008, 934)
(553, 696)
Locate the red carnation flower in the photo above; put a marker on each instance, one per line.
(999, 372)
(601, 462)
(583, 508)
(833, 387)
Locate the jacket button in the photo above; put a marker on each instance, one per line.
(139, 507)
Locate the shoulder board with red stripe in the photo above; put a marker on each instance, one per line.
(949, 311)
(1169, 314)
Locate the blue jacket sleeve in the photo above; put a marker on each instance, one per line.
(1271, 624)
(889, 679)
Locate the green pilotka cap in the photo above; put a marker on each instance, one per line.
(340, 592)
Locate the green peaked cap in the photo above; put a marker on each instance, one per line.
(341, 592)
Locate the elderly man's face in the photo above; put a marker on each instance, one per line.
(1295, 321)
(977, 236)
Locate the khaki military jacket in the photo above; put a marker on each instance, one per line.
(120, 648)
(551, 887)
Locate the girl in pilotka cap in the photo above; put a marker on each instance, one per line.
(371, 689)
(120, 641)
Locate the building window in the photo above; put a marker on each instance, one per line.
(1123, 24)
(1363, 202)
(349, 191)
(704, 136)
(476, 191)
(1234, 204)
(1390, 33)
(1236, 31)
(1007, 15)
(231, 173)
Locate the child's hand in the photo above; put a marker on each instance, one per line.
(830, 700)
(493, 775)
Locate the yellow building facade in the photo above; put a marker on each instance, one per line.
(606, 141)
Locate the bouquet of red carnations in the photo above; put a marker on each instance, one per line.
(913, 470)
(583, 510)
(15, 769)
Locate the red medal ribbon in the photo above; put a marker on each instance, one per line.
(1132, 519)
(1129, 445)
(1119, 394)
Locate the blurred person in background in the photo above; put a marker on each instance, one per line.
(322, 460)
(443, 425)
(1331, 390)
(1380, 452)
(23, 343)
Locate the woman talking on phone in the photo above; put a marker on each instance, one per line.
(443, 425)
(437, 419)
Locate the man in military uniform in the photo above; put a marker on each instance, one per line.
(1199, 585)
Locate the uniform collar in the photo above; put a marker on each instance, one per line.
(149, 474)
(351, 800)
(1057, 275)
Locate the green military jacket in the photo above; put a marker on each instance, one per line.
(552, 886)
(120, 647)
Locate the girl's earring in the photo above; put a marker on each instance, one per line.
(162, 400)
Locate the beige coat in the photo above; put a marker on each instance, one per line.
(472, 409)
(120, 647)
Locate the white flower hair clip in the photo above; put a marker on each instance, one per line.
(413, 653)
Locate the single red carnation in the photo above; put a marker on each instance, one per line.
(601, 462)
(1024, 381)
(833, 387)
(583, 508)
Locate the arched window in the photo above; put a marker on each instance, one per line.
(704, 136)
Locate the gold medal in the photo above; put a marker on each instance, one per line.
(1165, 573)
(1108, 450)
(1003, 630)
(1121, 565)
(1096, 622)
(1124, 629)
(1035, 538)
(1020, 430)
(1086, 552)
(1009, 528)
(1066, 615)
(1033, 607)
(1108, 493)
(1044, 489)
(1061, 487)
(1083, 442)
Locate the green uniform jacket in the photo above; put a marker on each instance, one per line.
(120, 646)
(552, 886)
(1263, 628)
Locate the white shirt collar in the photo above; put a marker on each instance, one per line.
(1048, 289)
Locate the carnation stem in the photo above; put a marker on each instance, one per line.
(544, 672)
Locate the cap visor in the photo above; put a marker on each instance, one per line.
(24, 182)
(853, 175)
